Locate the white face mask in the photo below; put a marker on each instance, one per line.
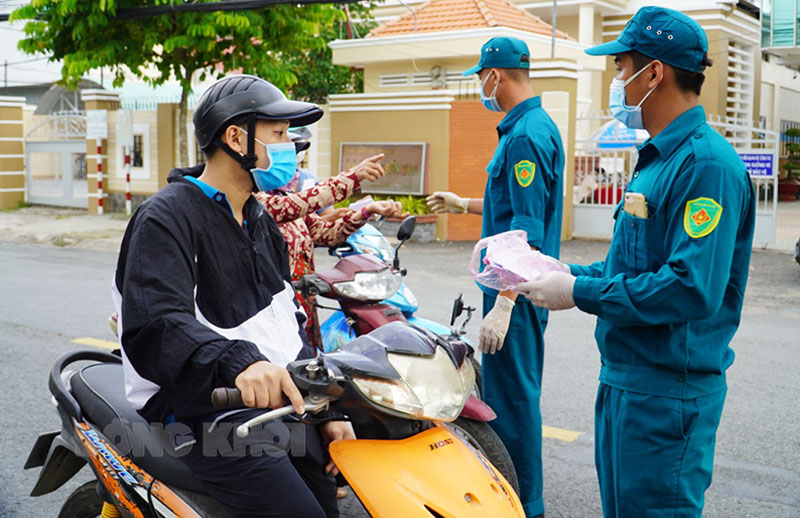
(300, 156)
(630, 116)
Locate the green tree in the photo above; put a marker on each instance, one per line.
(271, 43)
(317, 76)
(792, 164)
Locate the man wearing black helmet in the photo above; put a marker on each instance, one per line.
(203, 300)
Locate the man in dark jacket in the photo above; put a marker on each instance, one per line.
(204, 301)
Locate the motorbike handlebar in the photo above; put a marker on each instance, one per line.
(231, 397)
(311, 285)
(224, 397)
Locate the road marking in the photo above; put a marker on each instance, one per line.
(96, 342)
(551, 432)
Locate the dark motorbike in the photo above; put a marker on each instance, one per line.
(401, 387)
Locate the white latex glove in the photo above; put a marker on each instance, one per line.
(495, 325)
(443, 202)
(552, 290)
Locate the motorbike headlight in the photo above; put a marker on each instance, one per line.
(393, 394)
(430, 387)
(370, 250)
(370, 285)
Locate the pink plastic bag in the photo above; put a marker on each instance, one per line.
(509, 261)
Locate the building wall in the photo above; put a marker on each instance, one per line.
(715, 87)
(430, 126)
(144, 179)
(373, 73)
(559, 102)
(318, 156)
(11, 152)
(780, 95)
(722, 26)
(473, 138)
(568, 24)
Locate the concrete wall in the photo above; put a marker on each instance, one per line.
(559, 96)
(461, 135)
(431, 126)
(473, 139)
(12, 162)
(318, 157)
(373, 72)
(780, 95)
(144, 180)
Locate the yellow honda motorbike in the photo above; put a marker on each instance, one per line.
(399, 385)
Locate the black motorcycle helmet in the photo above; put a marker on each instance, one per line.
(300, 137)
(234, 96)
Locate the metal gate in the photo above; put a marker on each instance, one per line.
(758, 147)
(55, 161)
(605, 156)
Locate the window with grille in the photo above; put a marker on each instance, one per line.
(137, 160)
(780, 23)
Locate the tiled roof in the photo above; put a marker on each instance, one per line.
(454, 15)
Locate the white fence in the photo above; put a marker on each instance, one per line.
(606, 155)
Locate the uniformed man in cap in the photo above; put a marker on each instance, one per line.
(669, 295)
(523, 192)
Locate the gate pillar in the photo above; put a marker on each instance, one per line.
(12, 154)
(98, 179)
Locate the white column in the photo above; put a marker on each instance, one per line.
(585, 37)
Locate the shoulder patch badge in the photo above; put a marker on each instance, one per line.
(701, 217)
(525, 170)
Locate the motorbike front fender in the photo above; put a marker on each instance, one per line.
(431, 473)
(477, 410)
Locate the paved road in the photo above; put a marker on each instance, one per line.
(49, 296)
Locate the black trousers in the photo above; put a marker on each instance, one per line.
(276, 471)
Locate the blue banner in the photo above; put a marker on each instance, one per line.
(758, 164)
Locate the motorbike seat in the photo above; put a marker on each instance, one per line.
(100, 391)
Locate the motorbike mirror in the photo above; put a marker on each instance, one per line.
(458, 308)
(406, 229)
(404, 233)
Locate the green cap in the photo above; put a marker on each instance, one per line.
(660, 33)
(502, 53)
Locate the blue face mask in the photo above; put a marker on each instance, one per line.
(490, 102)
(282, 165)
(630, 116)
